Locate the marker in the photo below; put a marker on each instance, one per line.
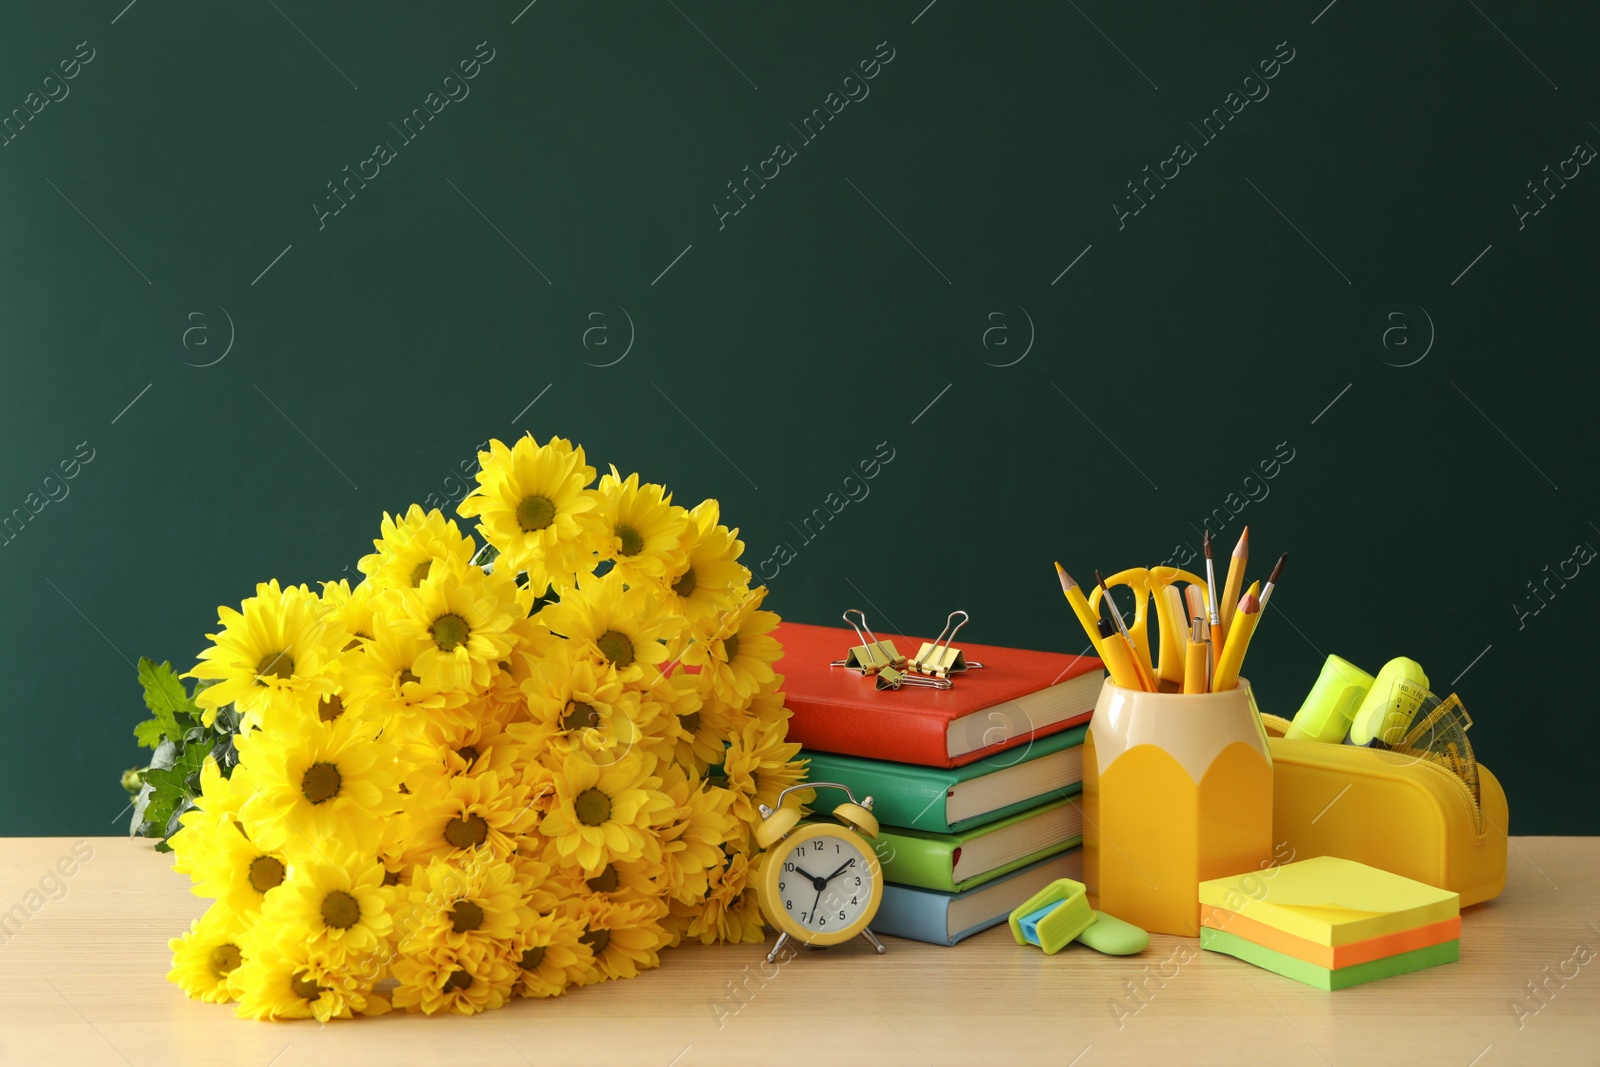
(1194, 662)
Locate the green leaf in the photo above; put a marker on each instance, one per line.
(173, 710)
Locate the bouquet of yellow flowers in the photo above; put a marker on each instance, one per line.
(484, 771)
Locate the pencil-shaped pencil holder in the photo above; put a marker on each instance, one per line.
(1177, 790)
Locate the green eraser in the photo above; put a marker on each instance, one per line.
(1114, 937)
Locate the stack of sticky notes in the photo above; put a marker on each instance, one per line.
(1330, 923)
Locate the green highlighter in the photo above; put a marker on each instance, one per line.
(1332, 703)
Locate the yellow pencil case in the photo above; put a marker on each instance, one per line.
(1387, 810)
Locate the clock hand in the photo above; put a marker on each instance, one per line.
(837, 873)
(818, 901)
(808, 876)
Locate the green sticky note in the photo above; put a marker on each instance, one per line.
(1324, 977)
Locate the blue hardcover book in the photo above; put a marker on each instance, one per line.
(946, 918)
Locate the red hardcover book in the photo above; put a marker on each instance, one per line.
(1017, 695)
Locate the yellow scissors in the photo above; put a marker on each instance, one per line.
(1160, 583)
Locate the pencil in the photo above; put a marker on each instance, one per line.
(1081, 608)
(1272, 581)
(1147, 680)
(1118, 658)
(1226, 676)
(1235, 581)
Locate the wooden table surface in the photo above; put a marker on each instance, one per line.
(84, 982)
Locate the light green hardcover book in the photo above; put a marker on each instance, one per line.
(953, 863)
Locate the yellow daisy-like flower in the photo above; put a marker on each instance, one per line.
(228, 867)
(351, 608)
(624, 937)
(280, 648)
(473, 744)
(711, 580)
(410, 548)
(759, 765)
(206, 959)
(730, 911)
(669, 717)
(549, 957)
(462, 618)
(768, 705)
(335, 898)
(736, 652)
(533, 505)
(327, 781)
(691, 844)
(643, 530)
(575, 704)
(288, 979)
(462, 979)
(467, 813)
(474, 899)
(616, 625)
(383, 678)
(604, 813)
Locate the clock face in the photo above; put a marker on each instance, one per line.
(825, 884)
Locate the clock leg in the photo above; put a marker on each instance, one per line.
(783, 939)
(870, 936)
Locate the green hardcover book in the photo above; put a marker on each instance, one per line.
(945, 800)
(954, 863)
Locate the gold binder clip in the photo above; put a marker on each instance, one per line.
(890, 678)
(938, 657)
(872, 655)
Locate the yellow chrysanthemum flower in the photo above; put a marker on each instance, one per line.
(471, 899)
(768, 705)
(206, 959)
(758, 766)
(277, 650)
(643, 530)
(549, 957)
(735, 652)
(228, 867)
(410, 547)
(604, 813)
(670, 719)
(467, 813)
(474, 743)
(624, 937)
(575, 704)
(327, 781)
(533, 505)
(383, 678)
(352, 608)
(711, 580)
(288, 979)
(335, 898)
(730, 911)
(616, 625)
(216, 808)
(692, 842)
(462, 979)
(462, 618)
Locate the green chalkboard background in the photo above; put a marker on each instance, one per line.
(1345, 282)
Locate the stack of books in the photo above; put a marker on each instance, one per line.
(976, 787)
(1330, 923)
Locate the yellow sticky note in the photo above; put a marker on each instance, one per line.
(1331, 901)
